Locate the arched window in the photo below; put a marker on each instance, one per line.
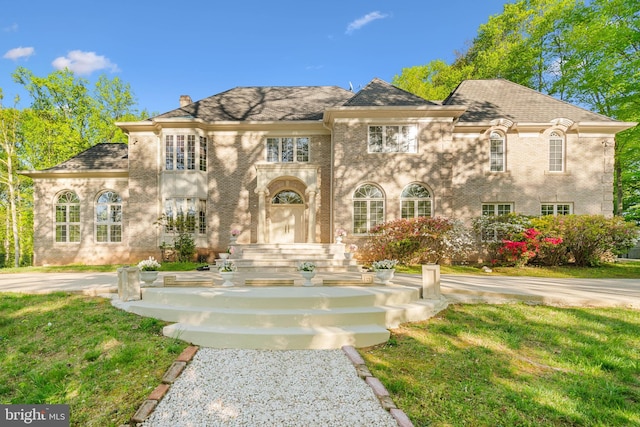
(368, 208)
(496, 152)
(109, 217)
(415, 201)
(287, 197)
(556, 152)
(68, 217)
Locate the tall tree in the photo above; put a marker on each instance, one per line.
(9, 141)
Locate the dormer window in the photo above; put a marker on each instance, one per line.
(288, 149)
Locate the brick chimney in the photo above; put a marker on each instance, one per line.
(185, 100)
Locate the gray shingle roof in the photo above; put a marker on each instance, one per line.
(269, 103)
(491, 99)
(100, 156)
(379, 93)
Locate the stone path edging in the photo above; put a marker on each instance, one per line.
(176, 368)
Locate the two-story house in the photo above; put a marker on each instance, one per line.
(293, 164)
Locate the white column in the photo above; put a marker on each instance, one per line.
(311, 232)
(262, 214)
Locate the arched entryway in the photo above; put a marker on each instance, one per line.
(287, 203)
(287, 218)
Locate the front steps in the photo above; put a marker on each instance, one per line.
(284, 317)
(285, 257)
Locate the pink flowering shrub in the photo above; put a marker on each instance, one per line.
(417, 241)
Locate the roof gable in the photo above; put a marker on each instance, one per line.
(379, 93)
(268, 103)
(492, 99)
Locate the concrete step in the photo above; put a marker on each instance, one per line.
(285, 297)
(297, 338)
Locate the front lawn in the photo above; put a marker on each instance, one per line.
(515, 365)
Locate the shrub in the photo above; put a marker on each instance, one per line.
(589, 239)
(492, 230)
(417, 240)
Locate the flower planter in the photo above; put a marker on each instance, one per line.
(384, 276)
(227, 277)
(348, 255)
(148, 277)
(223, 255)
(308, 275)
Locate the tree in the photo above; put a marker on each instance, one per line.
(9, 140)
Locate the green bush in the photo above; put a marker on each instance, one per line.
(589, 239)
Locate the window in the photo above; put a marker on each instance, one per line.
(288, 150)
(556, 152)
(287, 197)
(109, 217)
(555, 209)
(188, 214)
(203, 153)
(393, 139)
(496, 208)
(68, 218)
(415, 201)
(368, 208)
(181, 152)
(496, 154)
(494, 233)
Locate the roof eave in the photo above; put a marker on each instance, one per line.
(79, 173)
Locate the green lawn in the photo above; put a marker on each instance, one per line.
(515, 365)
(77, 350)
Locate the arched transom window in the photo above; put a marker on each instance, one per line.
(68, 217)
(109, 217)
(287, 197)
(556, 152)
(415, 201)
(368, 208)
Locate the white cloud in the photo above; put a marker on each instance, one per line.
(11, 28)
(19, 52)
(366, 19)
(84, 63)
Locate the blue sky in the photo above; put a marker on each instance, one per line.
(200, 48)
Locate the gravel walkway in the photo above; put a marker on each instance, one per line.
(257, 388)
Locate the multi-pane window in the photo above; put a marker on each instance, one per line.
(186, 214)
(496, 208)
(191, 152)
(393, 139)
(415, 201)
(556, 152)
(555, 209)
(496, 153)
(288, 150)
(492, 233)
(368, 208)
(109, 217)
(181, 152)
(68, 218)
(203, 153)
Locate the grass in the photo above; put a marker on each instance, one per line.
(78, 268)
(70, 349)
(515, 365)
(618, 270)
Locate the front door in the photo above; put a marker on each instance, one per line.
(287, 218)
(287, 224)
